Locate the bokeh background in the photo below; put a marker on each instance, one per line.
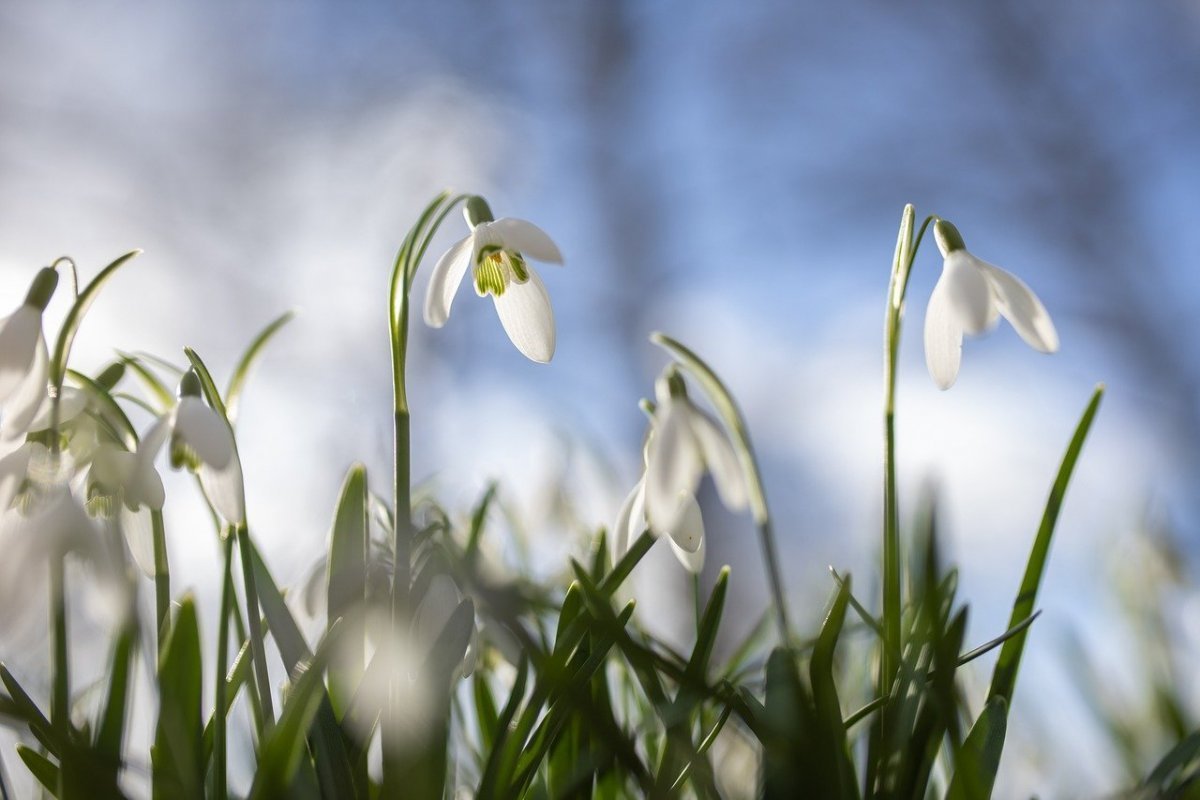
(730, 173)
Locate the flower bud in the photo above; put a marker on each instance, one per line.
(111, 376)
(948, 237)
(42, 288)
(477, 211)
(189, 385)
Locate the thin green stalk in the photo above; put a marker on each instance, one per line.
(220, 785)
(404, 268)
(162, 578)
(906, 251)
(257, 647)
(60, 699)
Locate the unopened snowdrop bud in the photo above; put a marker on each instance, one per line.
(24, 362)
(970, 296)
(477, 211)
(110, 376)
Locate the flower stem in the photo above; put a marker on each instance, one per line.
(906, 250)
(220, 786)
(404, 268)
(162, 578)
(60, 699)
(257, 648)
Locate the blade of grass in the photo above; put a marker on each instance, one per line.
(979, 758)
(1004, 677)
(237, 382)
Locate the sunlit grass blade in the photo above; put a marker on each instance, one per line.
(329, 745)
(1178, 767)
(163, 396)
(110, 733)
(680, 749)
(979, 757)
(43, 769)
(494, 766)
(346, 586)
(22, 706)
(119, 424)
(830, 733)
(178, 743)
(1004, 677)
(241, 371)
(788, 752)
(285, 746)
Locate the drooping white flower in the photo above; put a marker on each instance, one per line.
(200, 440)
(686, 537)
(683, 443)
(24, 363)
(969, 297)
(496, 250)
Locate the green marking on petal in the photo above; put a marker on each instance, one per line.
(489, 276)
(520, 269)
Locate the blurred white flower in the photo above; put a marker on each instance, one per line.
(496, 250)
(199, 440)
(686, 536)
(682, 444)
(969, 297)
(49, 523)
(24, 363)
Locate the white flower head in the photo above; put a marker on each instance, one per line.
(199, 440)
(497, 251)
(24, 363)
(970, 296)
(683, 443)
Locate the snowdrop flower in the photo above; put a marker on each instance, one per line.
(683, 443)
(199, 440)
(686, 537)
(24, 363)
(969, 298)
(496, 251)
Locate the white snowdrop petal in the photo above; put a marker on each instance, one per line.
(29, 396)
(145, 486)
(139, 535)
(631, 515)
(687, 536)
(720, 458)
(967, 292)
(526, 238)
(528, 319)
(71, 404)
(673, 465)
(204, 431)
(19, 334)
(943, 338)
(444, 281)
(13, 468)
(1020, 306)
(225, 489)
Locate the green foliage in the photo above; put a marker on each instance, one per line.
(468, 676)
